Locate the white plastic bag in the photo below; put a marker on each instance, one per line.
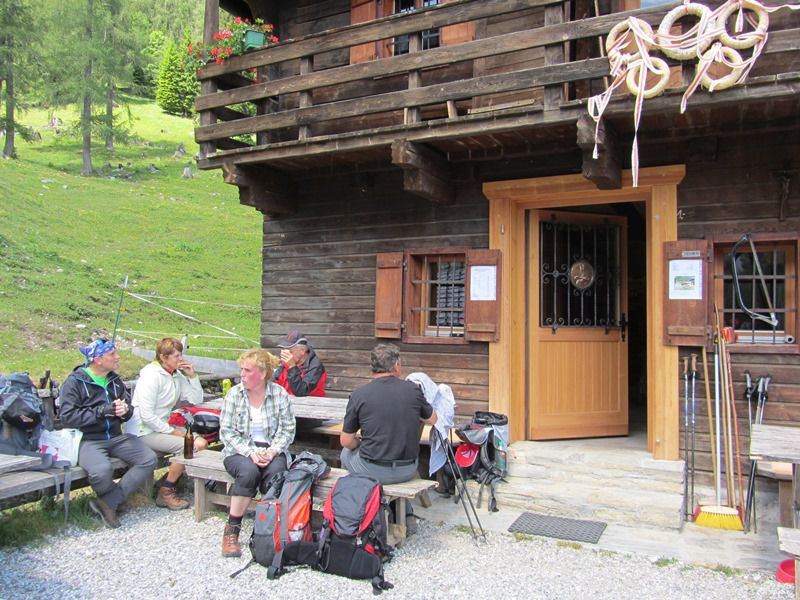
(63, 444)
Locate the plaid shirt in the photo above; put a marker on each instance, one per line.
(234, 420)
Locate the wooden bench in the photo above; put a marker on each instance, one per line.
(789, 539)
(207, 466)
(21, 487)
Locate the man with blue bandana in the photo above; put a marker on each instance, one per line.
(94, 399)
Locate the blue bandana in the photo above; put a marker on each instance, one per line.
(97, 349)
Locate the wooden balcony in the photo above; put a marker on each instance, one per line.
(300, 105)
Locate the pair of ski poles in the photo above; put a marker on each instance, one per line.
(761, 389)
(461, 488)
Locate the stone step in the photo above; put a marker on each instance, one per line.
(540, 475)
(523, 460)
(643, 508)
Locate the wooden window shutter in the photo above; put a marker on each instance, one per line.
(482, 305)
(361, 11)
(389, 295)
(459, 33)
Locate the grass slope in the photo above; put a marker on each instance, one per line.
(67, 242)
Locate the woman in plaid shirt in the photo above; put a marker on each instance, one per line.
(257, 426)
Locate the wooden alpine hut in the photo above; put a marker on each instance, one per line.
(453, 176)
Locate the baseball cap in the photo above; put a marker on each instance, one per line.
(293, 338)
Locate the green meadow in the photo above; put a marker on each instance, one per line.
(68, 242)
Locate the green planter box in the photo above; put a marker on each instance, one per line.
(254, 39)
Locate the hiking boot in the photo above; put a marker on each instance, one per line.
(230, 541)
(168, 498)
(105, 512)
(123, 508)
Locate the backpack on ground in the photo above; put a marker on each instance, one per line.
(282, 533)
(353, 540)
(21, 410)
(482, 453)
(202, 421)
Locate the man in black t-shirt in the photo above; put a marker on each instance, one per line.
(388, 411)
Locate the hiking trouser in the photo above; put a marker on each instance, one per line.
(95, 456)
(352, 461)
(248, 477)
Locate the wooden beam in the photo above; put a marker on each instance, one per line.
(605, 170)
(267, 190)
(440, 93)
(425, 172)
(758, 88)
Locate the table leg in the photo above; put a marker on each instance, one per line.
(795, 496)
(200, 499)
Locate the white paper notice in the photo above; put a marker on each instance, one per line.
(686, 279)
(483, 283)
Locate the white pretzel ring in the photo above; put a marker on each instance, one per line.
(685, 51)
(731, 56)
(661, 69)
(618, 31)
(743, 40)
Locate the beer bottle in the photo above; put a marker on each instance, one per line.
(188, 443)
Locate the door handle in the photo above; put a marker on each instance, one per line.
(623, 325)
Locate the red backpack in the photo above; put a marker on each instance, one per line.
(353, 541)
(203, 421)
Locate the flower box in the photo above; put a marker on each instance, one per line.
(254, 39)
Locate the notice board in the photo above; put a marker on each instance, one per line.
(687, 269)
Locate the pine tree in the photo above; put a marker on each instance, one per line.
(177, 87)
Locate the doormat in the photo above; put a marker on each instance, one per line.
(558, 527)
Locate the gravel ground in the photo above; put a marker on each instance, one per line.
(162, 554)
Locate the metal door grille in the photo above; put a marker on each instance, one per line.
(590, 251)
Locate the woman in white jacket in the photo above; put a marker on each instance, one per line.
(161, 384)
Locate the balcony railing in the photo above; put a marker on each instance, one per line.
(291, 108)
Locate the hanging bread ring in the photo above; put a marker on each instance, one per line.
(732, 57)
(690, 49)
(630, 47)
(750, 38)
(661, 69)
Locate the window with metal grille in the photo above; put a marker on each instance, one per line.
(437, 294)
(579, 274)
(430, 37)
(770, 292)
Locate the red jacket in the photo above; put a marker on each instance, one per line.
(306, 380)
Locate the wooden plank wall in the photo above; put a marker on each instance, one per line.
(319, 275)
(731, 188)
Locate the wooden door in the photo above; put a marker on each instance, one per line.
(578, 351)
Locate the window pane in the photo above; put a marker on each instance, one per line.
(763, 295)
(439, 294)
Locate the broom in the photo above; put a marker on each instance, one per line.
(718, 516)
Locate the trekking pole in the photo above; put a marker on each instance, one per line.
(685, 437)
(694, 411)
(461, 487)
(748, 393)
(119, 308)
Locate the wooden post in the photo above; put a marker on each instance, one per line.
(412, 114)
(306, 67)
(553, 55)
(208, 86)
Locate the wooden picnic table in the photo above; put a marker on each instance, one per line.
(779, 443)
(308, 407)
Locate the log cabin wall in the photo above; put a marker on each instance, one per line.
(319, 275)
(733, 186)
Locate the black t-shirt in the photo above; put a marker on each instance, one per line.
(388, 412)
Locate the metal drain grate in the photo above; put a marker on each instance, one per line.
(558, 527)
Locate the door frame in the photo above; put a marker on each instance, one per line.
(508, 203)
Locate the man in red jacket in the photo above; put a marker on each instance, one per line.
(301, 372)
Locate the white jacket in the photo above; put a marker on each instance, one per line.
(155, 395)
